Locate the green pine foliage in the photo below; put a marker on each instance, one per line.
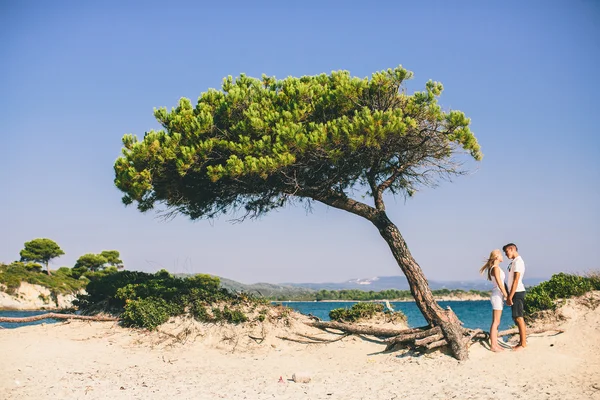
(545, 296)
(258, 143)
(41, 251)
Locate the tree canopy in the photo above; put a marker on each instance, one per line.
(90, 262)
(259, 143)
(96, 262)
(41, 250)
(112, 258)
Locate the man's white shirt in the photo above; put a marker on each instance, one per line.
(517, 265)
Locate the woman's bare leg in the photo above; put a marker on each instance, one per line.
(496, 315)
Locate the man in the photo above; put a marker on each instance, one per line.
(516, 291)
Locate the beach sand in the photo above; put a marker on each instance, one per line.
(100, 360)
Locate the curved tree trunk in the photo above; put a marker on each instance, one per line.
(451, 327)
(419, 287)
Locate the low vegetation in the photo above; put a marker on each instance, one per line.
(148, 300)
(548, 295)
(362, 311)
(61, 282)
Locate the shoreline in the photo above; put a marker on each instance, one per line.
(473, 298)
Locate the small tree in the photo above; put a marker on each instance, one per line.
(261, 143)
(90, 262)
(42, 251)
(112, 258)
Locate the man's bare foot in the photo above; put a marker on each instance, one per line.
(518, 348)
(497, 349)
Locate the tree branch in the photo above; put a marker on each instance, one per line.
(57, 316)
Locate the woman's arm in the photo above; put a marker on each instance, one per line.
(499, 282)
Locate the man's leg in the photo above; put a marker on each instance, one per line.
(520, 321)
(518, 310)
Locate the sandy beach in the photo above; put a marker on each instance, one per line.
(100, 360)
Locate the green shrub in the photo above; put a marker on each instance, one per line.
(199, 312)
(147, 299)
(356, 312)
(560, 286)
(234, 316)
(34, 267)
(12, 275)
(146, 313)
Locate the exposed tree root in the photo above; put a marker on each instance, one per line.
(57, 316)
(424, 338)
(362, 329)
(313, 340)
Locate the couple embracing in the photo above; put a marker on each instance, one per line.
(512, 292)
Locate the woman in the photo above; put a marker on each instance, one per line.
(496, 275)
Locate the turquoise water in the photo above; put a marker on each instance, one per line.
(474, 314)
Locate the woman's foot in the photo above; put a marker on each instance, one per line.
(497, 349)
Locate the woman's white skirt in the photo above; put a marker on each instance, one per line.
(497, 301)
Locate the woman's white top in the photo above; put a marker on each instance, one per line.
(496, 288)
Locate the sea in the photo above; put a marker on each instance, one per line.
(473, 314)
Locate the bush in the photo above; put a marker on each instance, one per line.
(60, 282)
(144, 300)
(146, 313)
(234, 316)
(560, 286)
(356, 312)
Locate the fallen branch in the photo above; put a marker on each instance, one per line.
(57, 316)
(436, 344)
(361, 329)
(429, 339)
(314, 341)
(403, 338)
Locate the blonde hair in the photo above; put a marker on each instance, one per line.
(494, 255)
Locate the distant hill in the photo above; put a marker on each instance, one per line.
(261, 289)
(379, 283)
(375, 284)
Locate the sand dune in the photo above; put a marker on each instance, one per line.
(80, 360)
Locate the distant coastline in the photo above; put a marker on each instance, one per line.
(441, 298)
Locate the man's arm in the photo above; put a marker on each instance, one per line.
(513, 289)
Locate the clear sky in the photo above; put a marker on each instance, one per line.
(76, 76)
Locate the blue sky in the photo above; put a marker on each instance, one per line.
(76, 76)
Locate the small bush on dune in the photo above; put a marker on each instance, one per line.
(360, 311)
(560, 286)
(146, 313)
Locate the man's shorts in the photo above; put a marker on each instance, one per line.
(518, 305)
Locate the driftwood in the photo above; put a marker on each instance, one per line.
(413, 336)
(313, 340)
(425, 338)
(436, 344)
(57, 316)
(429, 339)
(362, 329)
